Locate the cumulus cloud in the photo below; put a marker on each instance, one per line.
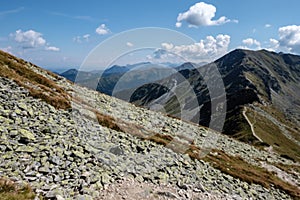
(129, 44)
(250, 42)
(289, 37)
(51, 48)
(31, 39)
(102, 30)
(288, 41)
(201, 14)
(205, 50)
(274, 43)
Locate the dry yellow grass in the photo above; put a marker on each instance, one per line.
(38, 86)
(11, 191)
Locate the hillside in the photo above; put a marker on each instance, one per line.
(68, 142)
(261, 93)
(119, 78)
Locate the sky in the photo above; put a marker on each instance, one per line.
(58, 35)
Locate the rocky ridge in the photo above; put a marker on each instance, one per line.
(64, 154)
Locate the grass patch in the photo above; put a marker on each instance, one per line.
(107, 121)
(272, 135)
(38, 85)
(291, 169)
(280, 116)
(11, 191)
(238, 168)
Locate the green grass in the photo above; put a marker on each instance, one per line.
(237, 127)
(272, 135)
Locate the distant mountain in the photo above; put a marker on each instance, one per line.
(72, 74)
(262, 92)
(120, 77)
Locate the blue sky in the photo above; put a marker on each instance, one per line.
(60, 34)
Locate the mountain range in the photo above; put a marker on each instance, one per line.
(60, 140)
(262, 98)
(131, 76)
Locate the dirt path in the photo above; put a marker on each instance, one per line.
(131, 190)
(251, 124)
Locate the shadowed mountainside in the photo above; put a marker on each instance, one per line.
(265, 83)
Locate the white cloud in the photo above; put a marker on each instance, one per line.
(31, 39)
(201, 14)
(178, 24)
(289, 37)
(206, 50)
(51, 48)
(129, 44)
(268, 25)
(251, 42)
(102, 30)
(273, 45)
(79, 39)
(86, 37)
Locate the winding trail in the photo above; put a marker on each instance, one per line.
(251, 125)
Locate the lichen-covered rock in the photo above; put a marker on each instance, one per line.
(27, 135)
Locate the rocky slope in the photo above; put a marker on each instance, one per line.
(261, 92)
(99, 147)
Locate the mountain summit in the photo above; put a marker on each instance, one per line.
(262, 93)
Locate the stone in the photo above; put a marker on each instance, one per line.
(55, 160)
(78, 154)
(167, 194)
(26, 134)
(182, 186)
(105, 178)
(59, 197)
(116, 150)
(84, 197)
(23, 106)
(54, 193)
(28, 149)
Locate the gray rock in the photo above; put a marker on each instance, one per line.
(59, 197)
(26, 135)
(78, 154)
(116, 150)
